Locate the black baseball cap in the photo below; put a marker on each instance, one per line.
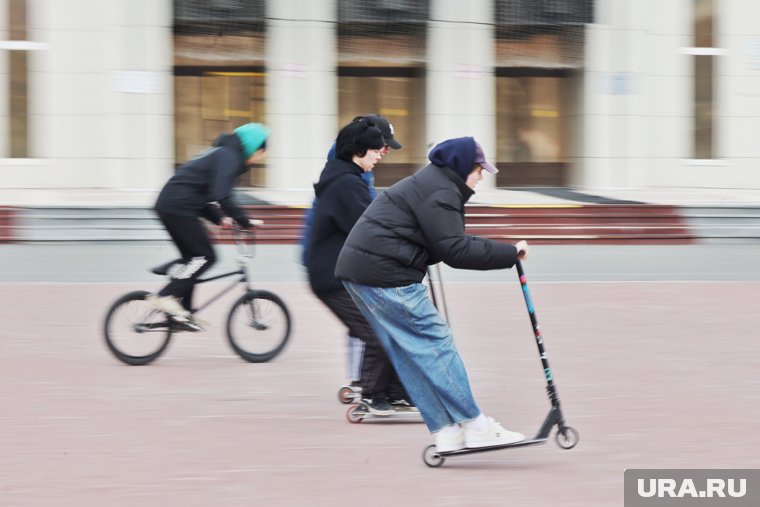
(386, 128)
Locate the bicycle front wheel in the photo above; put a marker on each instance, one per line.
(134, 332)
(258, 326)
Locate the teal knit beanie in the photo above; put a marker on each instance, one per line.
(252, 137)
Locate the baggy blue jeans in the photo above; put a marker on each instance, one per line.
(420, 345)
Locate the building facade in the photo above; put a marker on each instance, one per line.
(588, 94)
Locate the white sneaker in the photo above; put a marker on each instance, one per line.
(447, 441)
(495, 434)
(170, 305)
(193, 324)
(202, 324)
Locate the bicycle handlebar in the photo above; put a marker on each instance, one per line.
(243, 238)
(255, 222)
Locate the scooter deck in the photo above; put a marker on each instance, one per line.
(358, 412)
(395, 414)
(473, 450)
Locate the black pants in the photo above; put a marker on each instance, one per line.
(195, 248)
(378, 377)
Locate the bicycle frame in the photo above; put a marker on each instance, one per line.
(244, 255)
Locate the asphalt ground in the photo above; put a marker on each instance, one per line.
(653, 351)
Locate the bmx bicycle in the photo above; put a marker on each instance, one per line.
(258, 323)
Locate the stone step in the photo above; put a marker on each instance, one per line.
(588, 223)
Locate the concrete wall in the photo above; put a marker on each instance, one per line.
(638, 95)
(635, 118)
(100, 96)
(739, 94)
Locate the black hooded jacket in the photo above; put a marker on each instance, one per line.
(204, 180)
(343, 196)
(420, 221)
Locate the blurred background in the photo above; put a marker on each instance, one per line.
(613, 122)
(586, 94)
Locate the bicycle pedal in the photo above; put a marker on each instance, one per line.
(186, 326)
(258, 325)
(203, 324)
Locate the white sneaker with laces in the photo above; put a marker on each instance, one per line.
(449, 440)
(169, 305)
(495, 434)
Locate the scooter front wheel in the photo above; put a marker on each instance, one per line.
(567, 437)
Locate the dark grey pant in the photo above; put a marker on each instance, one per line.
(378, 377)
(197, 252)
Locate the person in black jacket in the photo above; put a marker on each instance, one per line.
(365, 360)
(193, 192)
(417, 222)
(343, 196)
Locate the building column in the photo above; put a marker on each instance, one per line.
(101, 95)
(5, 84)
(636, 95)
(142, 92)
(461, 79)
(302, 90)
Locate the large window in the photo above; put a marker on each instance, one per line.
(19, 115)
(382, 55)
(531, 120)
(211, 101)
(400, 98)
(704, 54)
(219, 80)
(539, 51)
(531, 128)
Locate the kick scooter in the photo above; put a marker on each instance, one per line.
(567, 437)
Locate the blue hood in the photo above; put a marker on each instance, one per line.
(457, 154)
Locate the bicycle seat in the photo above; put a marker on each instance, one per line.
(164, 268)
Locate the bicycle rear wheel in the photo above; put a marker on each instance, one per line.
(258, 326)
(134, 332)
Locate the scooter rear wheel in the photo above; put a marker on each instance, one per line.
(356, 413)
(346, 395)
(431, 457)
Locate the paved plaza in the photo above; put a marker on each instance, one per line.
(654, 373)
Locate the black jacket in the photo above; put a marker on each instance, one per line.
(342, 196)
(417, 222)
(204, 180)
